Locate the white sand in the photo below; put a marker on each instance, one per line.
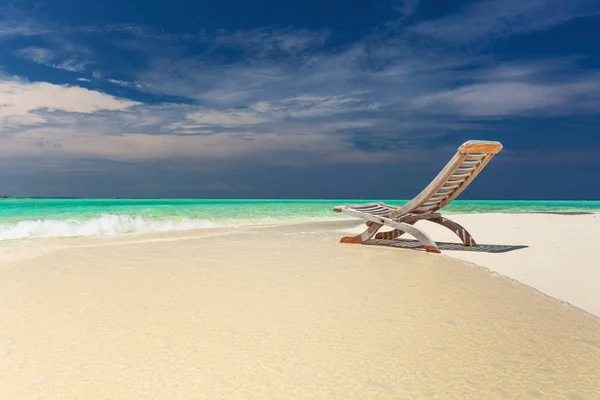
(281, 313)
(562, 259)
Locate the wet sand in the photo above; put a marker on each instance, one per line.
(281, 313)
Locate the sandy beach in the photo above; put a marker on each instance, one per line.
(286, 312)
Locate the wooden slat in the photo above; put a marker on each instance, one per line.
(471, 162)
(448, 188)
(453, 181)
(379, 212)
(374, 210)
(360, 209)
(436, 199)
(366, 205)
(459, 175)
(366, 209)
(417, 217)
(375, 206)
(480, 146)
(363, 205)
(475, 157)
(438, 196)
(427, 208)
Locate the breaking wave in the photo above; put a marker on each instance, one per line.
(106, 224)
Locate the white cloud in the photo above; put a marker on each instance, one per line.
(125, 84)
(12, 27)
(71, 65)
(335, 126)
(310, 106)
(49, 58)
(276, 114)
(20, 102)
(226, 119)
(488, 19)
(37, 54)
(265, 148)
(516, 98)
(491, 99)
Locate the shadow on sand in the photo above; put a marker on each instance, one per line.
(415, 245)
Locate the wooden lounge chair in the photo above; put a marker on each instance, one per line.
(460, 171)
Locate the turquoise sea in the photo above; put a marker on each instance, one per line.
(43, 218)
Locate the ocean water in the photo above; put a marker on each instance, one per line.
(48, 218)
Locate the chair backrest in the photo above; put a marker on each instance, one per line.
(460, 171)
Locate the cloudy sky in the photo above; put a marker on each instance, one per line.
(317, 99)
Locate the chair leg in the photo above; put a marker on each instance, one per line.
(402, 228)
(390, 235)
(418, 234)
(371, 230)
(461, 232)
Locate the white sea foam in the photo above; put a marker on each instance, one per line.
(106, 224)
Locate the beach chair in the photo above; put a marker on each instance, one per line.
(460, 171)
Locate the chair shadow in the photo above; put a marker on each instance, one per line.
(415, 245)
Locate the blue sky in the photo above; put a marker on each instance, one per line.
(358, 99)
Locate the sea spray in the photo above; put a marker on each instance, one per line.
(106, 224)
